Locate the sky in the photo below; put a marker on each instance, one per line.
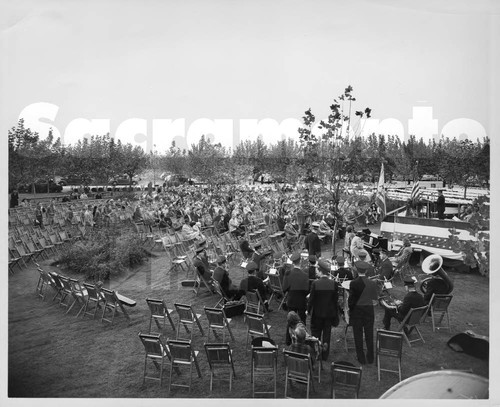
(158, 68)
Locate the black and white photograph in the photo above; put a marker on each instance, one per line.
(227, 200)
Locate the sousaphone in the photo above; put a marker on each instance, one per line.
(433, 266)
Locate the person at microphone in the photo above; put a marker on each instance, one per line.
(411, 300)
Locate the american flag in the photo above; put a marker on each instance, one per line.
(416, 191)
(380, 197)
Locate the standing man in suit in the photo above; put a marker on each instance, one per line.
(385, 267)
(363, 294)
(440, 204)
(312, 242)
(411, 300)
(322, 306)
(296, 283)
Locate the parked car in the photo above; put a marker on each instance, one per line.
(75, 180)
(123, 180)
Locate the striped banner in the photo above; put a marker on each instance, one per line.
(416, 191)
(380, 197)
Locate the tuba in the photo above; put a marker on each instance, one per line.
(433, 265)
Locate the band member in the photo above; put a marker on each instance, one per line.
(385, 269)
(343, 273)
(252, 282)
(221, 274)
(296, 283)
(411, 300)
(323, 303)
(312, 242)
(363, 295)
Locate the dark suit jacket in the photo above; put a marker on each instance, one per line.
(345, 272)
(297, 285)
(362, 291)
(313, 244)
(222, 276)
(323, 300)
(386, 269)
(202, 267)
(411, 300)
(252, 283)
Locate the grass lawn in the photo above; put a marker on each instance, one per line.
(53, 354)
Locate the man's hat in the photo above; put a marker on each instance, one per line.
(315, 225)
(340, 260)
(251, 265)
(221, 259)
(199, 249)
(367, 231)
(410, 281)
(257, 246)
(295, 257)
(312, 258)
(362, 254)
(362, 266)
(324, 266)
(202, 243)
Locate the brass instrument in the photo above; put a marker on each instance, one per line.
(388, 302)
(432, 265)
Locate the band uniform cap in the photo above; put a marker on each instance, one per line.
(362, 254)
(315, 225)
(221, 259)
(257, 246)
(312, 258)
(295, 256)
(340, 260)
(202, 243)
(252, 266)
(367, 231)
(324, 266)
(410, 281)
(199, 249)
(362, 266)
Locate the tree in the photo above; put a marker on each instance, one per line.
(131, 160)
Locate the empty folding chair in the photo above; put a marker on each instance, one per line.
(182, 355)
(157, 353)
(220, 358)
(256, 326)
(410, 322)
(346, 380)
(298, 369)
(389, 344)
(217, 321)
(277, 289)
(253, 301)
(111, 303)
(159, 312)
(438, 305)
(94, 298)
(187, 317)
(264, 364)
(78, 294)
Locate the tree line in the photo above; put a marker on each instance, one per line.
(328, 152)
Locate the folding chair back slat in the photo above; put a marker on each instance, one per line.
(298, 368)
(346, 379)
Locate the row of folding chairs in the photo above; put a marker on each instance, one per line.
(69, 292)
(175, 354)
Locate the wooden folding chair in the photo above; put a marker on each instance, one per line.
(264, 364)
(187, 317)
(220, 357)
(253, 301)
(346, 379)
(256, 326)
(93, 297)
(410, 322)
(182, 355)
(277, 289)
(298, 369)
(78, 294)
(217, 321)
(389, 344)
(438, 305)
(111, 303)
(156, 352)
(159, 312)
